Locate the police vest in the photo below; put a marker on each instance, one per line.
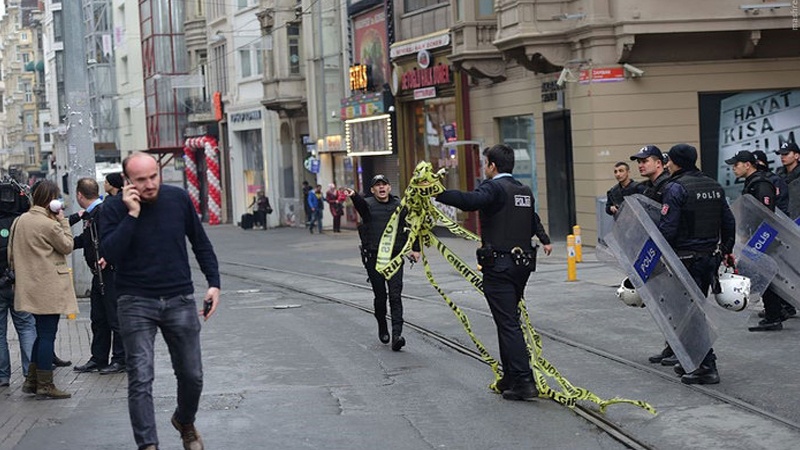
(655, 191)
(380, 213)
(701, 217)
(781, 191)
(512, 225)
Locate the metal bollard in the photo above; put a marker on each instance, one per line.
(572, 273)
(576, 230)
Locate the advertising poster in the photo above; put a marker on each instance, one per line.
(755, 120)
(369, 30)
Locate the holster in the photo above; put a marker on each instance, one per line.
(485, 256)
(366, 254)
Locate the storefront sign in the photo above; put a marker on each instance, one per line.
(369, 39)
(364, 105)
(423, 93)
(428, 43)
(432, 76)
(359, 77)
(424, 59)
(246, 116)
(331, 143)
(602, 75)
(550, 90)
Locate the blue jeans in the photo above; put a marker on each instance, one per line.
(176, 317)
(25, 325)
(44, 347)
(316, 218)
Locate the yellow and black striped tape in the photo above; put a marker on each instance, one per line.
(421, 217)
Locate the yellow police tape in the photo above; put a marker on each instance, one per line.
(422, 215)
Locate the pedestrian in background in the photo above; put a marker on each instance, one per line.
(315, 203)
(698, 224)
(39, 244)
(262, 208)
(13, 203)
(103, 296)
(335, 199)
(144, 237)
(508, 223)
(625, 186)
(113, 184)
(375, 212)
(306, 188)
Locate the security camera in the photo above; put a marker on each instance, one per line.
(563, 77)
(634, 71)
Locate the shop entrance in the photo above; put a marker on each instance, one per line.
(560, 179)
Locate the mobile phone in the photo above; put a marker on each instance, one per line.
(207, 307)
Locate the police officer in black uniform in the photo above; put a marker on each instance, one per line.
(757, 184)
(651, 165)
(508, 222)
(697, 222)
(782, 203)
(375, 212)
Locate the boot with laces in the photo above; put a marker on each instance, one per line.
(189, 435)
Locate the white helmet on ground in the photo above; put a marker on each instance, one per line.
(735, 291)
(627, 293)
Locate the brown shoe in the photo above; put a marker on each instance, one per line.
(29, 385)
(189, 434)
(45, 389)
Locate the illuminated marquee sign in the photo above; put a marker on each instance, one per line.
(432, 76)
(359, 77)
(369, 136)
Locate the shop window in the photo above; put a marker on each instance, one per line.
(434, 125)
(517, 133)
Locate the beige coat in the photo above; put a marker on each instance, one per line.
(37, 250)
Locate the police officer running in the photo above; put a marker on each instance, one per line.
(697, 222)
(508, 222)
(375, 212)
(651, 166)
(759, 186)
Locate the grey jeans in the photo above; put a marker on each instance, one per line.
(176, 317)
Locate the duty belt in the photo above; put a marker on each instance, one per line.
(519, 256)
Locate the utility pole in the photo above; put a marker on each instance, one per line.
(77, 159)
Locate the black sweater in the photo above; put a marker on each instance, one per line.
(149, 252)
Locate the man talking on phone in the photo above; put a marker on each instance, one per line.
(144, 237)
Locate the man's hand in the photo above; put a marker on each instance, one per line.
(414, 256)
(613, 209)
(729, 260)
(211, 296)
(130, 196)
(349, 192)
(102, 263)
(548, 249)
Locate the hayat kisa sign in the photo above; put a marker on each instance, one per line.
(431, 76)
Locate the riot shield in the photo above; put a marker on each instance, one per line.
(759, 267)
(669, 292)
(778, 237)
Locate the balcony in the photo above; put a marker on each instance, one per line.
(199, 109)
(474, 51)
(195, 34)
(286, 96)
(543, 35)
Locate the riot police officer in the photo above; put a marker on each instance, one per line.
(375, 212)
(508, 222)
(698, 224)
(651, 166)
(757, 184)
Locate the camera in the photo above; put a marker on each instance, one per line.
(634, 71)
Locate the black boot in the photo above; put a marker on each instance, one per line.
(503, 384)
(705, 374)
(398, 342)
(767, 325)
(383, 331)
(524, 388)
(58, 362)
(666, 353)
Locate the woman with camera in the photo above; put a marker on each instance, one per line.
(38, 247)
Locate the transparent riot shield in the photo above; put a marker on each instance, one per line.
(669, 292)
(778, 237)
(759, 267)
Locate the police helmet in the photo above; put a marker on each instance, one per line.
(734, 291)
(627, 293)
